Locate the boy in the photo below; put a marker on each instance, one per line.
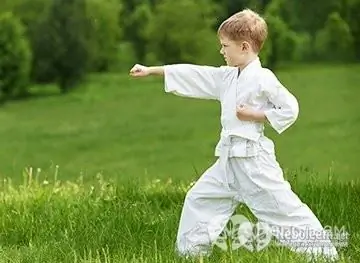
(247, 170)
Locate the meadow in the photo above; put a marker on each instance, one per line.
(99, 174)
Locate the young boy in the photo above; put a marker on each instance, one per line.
(247, 170)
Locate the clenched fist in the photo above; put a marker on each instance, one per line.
(245, 113)
(139, 71)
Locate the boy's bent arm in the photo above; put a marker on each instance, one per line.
(188, 80)
(285, 109)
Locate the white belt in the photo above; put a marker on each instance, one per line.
(227, 143)
(234, 146)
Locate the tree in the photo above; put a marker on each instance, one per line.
(181, 31)
(352, 17)
(334, 42)
(282, 40)
(134, 17)
(61, 44)
(105, 33)
(15, 54)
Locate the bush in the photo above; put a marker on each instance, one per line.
(15, 57)
(134, 17)
(334, 42)
(179, 31)
(283, 44)
(303, 47)
(125, 58)
(210, 53)
(31, 13)
(105, 33)
(352, 18)
(61, 44)
(73, 38)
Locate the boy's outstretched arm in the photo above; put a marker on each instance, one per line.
(143, 71)
(186, 80)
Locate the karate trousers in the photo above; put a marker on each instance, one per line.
(256, 181)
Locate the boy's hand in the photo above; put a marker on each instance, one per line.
(245, 113)
(139, 71)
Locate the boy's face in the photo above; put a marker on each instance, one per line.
(234, 52)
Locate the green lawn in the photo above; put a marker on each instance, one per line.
(129, 128)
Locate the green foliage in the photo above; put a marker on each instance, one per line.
(61, 44)
(210, 52)
(15, 57)
(124, 57)
(102, 33)
(134, 17)
(302, 46)
(281, 39)
(31, 14)
(284, 44)
(180, 30)
(307, 15)
(334, 42)
(105, 33)
(352, 17)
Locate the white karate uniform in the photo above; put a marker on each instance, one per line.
(247, 170)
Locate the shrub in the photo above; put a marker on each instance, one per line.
(284, 44)
(334, 42)
(179, 30)
(125, 57)
(105, 33)
(15, 57)
(61, 44)
(281, 42)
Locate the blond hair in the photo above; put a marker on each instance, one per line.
(245, 25)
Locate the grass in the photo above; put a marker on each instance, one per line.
(73, 221)
(127, 154)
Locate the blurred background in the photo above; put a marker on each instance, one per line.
(66, 97)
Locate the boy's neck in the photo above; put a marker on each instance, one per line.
(248, 60)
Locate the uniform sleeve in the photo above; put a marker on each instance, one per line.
(188, 80)
(285, 108)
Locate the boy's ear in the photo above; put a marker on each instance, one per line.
(245, 46)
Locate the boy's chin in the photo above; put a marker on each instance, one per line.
(231, 64)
